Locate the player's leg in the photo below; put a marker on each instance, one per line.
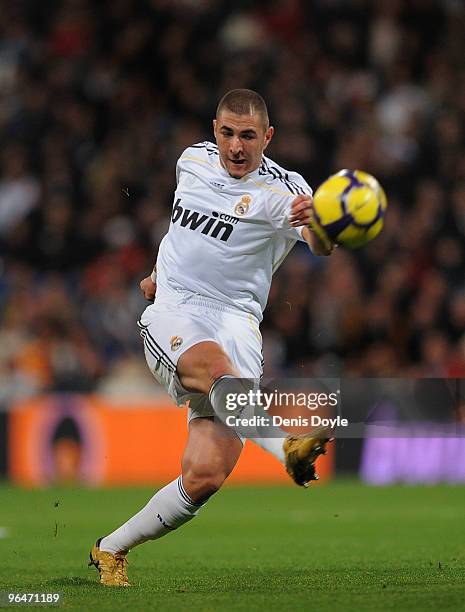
(206, 368)
(212, 351)
(208, 459)
(202, 364)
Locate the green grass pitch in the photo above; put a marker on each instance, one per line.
(342, 546)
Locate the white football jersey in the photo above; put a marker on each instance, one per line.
(227, 236)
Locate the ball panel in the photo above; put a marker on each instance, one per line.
(334, 229)
(327, 200)
(362, 204)
(375, 229)
(370, 180)
(354, 237)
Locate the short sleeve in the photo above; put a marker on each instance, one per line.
(279, 205)
(191, 157)
(180, 166)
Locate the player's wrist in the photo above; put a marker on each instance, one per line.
(153, 276)
(318, 241)
(319, 233)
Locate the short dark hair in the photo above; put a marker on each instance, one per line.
(244, 102)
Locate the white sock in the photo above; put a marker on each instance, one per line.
(269, 438)
(168, 509)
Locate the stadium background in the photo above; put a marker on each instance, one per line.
(97, 101)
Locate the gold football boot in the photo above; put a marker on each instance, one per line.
(302, 451)
(112, 568)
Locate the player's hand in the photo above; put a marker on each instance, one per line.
(148, 288)
(301, 209)
(302, 215)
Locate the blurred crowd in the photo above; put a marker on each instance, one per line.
(98, 100)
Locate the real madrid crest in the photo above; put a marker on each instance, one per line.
(243, 206)
(175, 342)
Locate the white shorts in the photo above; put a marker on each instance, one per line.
(169, 328)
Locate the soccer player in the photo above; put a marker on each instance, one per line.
(236, 216)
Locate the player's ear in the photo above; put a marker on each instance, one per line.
(214, 126)
(268, 136)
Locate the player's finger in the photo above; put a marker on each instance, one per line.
(302, 196)
(305, 212)
(149, 295)
(300, 204)
(305, 221)
(300, 209)
(303, 217)
(300, 216)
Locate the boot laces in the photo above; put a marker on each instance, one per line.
(121, 564)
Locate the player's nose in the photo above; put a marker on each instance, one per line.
(235, 145)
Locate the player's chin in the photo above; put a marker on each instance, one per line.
(237, 171)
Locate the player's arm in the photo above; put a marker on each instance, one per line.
(148, 285)
(302, 216)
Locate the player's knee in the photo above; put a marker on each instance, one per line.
(201, 365)
(216, 364)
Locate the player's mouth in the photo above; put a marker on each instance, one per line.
(238, 162)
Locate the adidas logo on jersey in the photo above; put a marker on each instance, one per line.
(217, 185)
(219, 225)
